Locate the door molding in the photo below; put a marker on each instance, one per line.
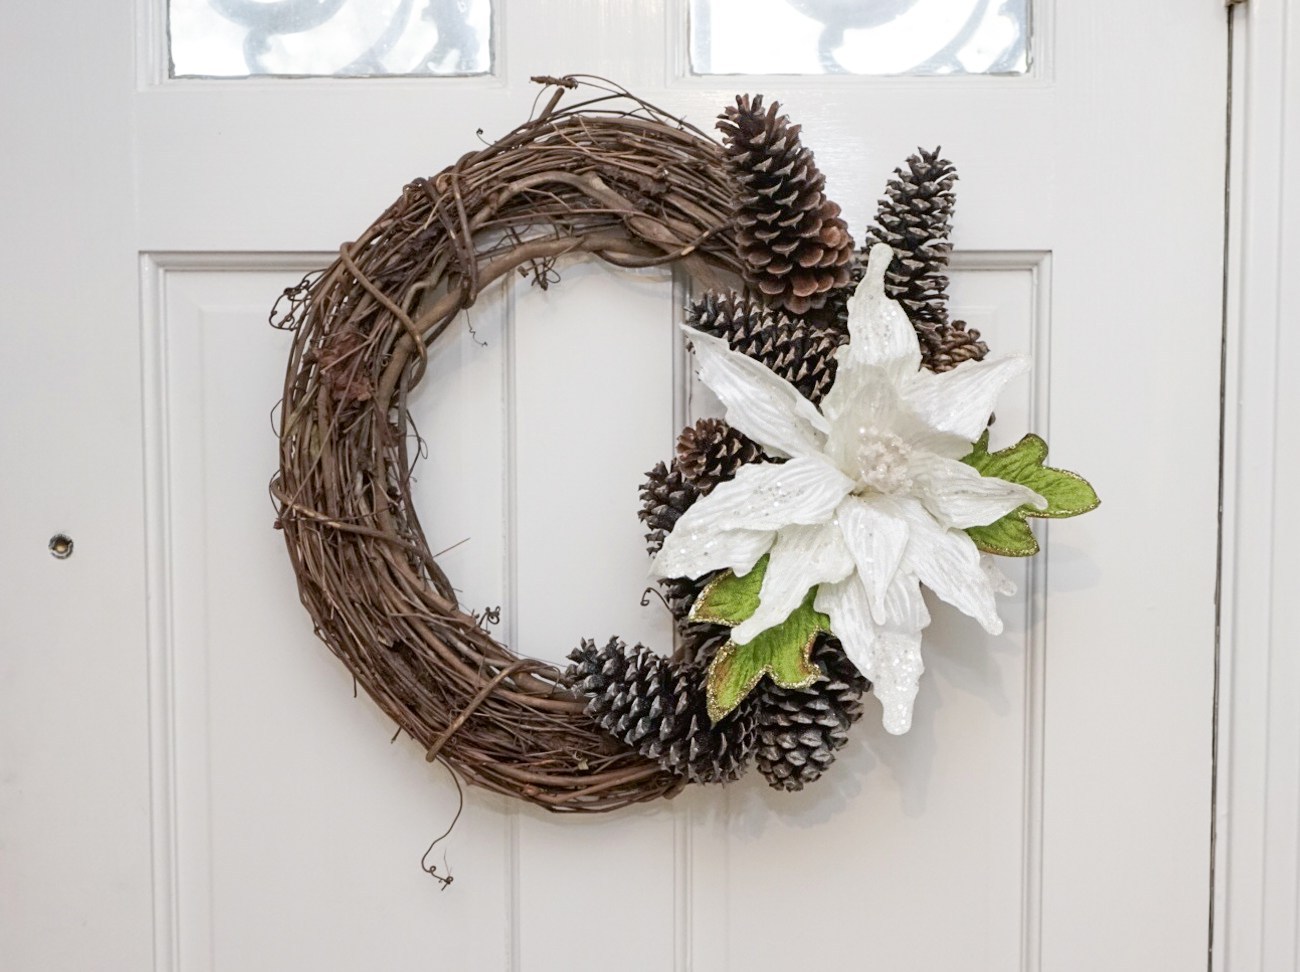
(155, 269)
(1257, 814)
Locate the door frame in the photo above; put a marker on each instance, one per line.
(1256, 837)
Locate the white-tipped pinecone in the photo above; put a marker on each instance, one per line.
(800, 730)
(659, 707)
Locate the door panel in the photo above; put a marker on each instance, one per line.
(1050, 808)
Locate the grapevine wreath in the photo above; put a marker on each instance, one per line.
(791, 538)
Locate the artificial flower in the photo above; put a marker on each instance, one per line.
(871, 501)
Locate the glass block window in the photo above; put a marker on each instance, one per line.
(331, 38)
(883, 37)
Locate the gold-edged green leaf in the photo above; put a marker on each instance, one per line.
(1067, 494)
(728, 599)
(1007, 537)
(783, 652)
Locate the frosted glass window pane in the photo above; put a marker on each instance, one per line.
(347, 38)
(859, 36)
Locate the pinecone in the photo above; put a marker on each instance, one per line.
(793, 242)
(711, 452)
(680, 594)
(801, 351)
(799, 730)
(665, 496)
(725, 314)
(659, 708)
(954, 344)
(915, 220)
(700, 640)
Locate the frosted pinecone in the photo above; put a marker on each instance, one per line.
(659, 707)
(800, 350)
(915, 219)
(800, 730)
(665, 495)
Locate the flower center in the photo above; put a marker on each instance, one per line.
(883, 459)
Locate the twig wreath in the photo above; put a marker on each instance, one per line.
(791, 539)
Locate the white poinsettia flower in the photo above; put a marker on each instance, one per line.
(873, 499)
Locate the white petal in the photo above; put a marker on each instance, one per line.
(905, 608)
(868, 404)
(1000, 582)
(850, 614)
(768, 496)
(889, 656)
(764, 406)
(802, 558)
(960, 401)
(685, 556)
(947, 562)
(863, 391)
(898, 677)
(876, 535)
(879, 331)
(960, 497)
(898, 653)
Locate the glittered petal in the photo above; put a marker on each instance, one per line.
(879, 331)
(959, 497)
(960, 401)
(846, 605)
(762, 405)
(868, 401)
(897, 677)
(767, 496)
(802, 558)
(899, 667)
(876, 535)
(1000, 582)
(734, 550)
(948, 562)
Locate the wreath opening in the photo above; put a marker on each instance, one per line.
(773, 662)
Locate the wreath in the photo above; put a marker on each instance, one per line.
(791, 538)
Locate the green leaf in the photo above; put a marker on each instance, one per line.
(1007, 537)
(728, 599)
(1067, 494)
(784, 653)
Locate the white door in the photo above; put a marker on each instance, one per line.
(186, 780)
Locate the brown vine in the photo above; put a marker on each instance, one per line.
(611, 176)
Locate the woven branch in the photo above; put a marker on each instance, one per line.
(613, 177)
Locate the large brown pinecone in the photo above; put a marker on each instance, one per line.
(915, 219)
(659, 708)
(665, 495)
(800, 730)
(711, 452)
(800, 350)
(793, 242)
